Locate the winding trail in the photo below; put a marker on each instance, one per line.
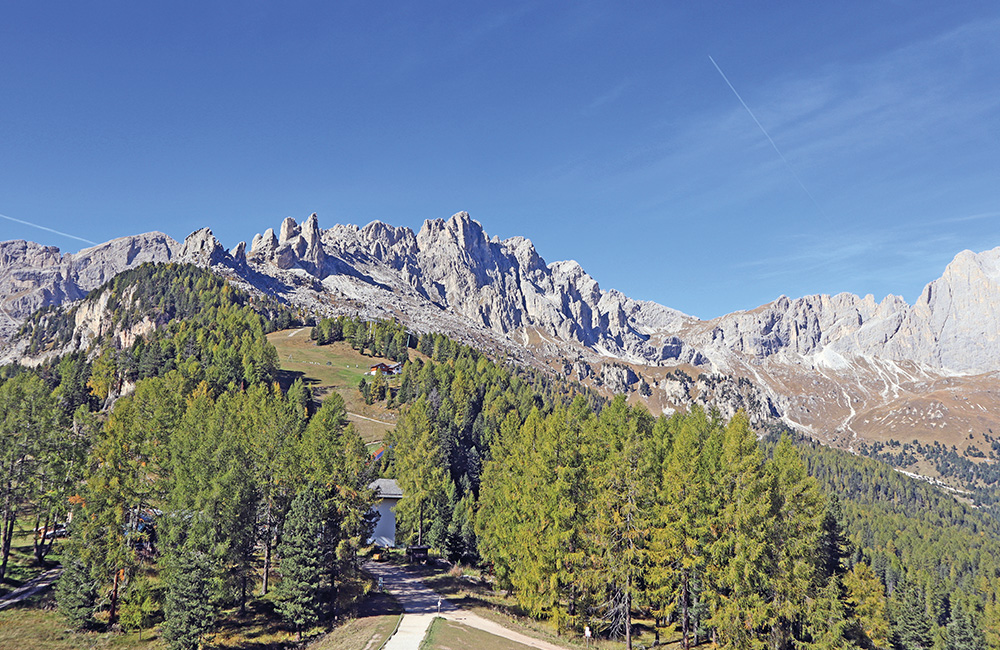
(365, 417)
(420, 607)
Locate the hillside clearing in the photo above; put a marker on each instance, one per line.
(333, 368)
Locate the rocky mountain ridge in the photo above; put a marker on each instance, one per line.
(828, 364)
(34, 276)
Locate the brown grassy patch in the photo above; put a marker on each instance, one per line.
(377, 618)
(40, 627)
(335, 367)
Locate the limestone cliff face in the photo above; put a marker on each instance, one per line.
(34, 276)
(954, 325)
(503, 285)
(807, 325)
(955, 322)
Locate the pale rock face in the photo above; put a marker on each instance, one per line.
(264, 244)
(34, 276)
(955, 322)
(954, 325)
(239, 253)
(618, 378)
(289, 230)
(203, 249)
(94, 266)
(310, 247)
(90, 318)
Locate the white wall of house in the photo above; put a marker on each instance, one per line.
(385, 527)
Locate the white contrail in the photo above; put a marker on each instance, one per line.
(35, 225)
(766, 135)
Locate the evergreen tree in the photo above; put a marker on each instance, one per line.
(828, 624)
(911, 624)
(378, 388)
(28, 425)
(333, 458)
(796, 533)
(833, 545)
(743, 561)
(138, 606)
(187, 575)
(678, 548)
(866, 597)
(76, 591)
(620, 528)
(501, 517)
(962, 632)
(297, 595)
(420, 470)
(130, 454)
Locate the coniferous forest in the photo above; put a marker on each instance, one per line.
(199, 479)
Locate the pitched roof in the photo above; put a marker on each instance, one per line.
(386, 488)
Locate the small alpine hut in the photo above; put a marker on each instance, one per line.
(388, 493)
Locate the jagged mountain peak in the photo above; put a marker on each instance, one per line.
(460, 233)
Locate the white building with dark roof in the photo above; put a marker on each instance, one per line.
(387, 495)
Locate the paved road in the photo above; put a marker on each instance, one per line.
(420, 605)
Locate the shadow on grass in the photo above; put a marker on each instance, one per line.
(376, 604)
(286, 378)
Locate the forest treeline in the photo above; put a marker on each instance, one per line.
(199, 483)
(198, 486)
(157, 293)
(520, 476)
(191, 491)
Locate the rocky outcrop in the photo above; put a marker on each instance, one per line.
(296, 245)
(618, 378)
(203, 249)
(954, 325)
(34, 276)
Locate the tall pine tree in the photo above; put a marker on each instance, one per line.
(188, 572)
(297, 595)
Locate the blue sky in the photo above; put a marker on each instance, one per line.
(601, 131)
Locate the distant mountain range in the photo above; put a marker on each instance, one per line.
(844, 368)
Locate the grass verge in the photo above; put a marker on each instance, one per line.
(377, 619)
(448, 635)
